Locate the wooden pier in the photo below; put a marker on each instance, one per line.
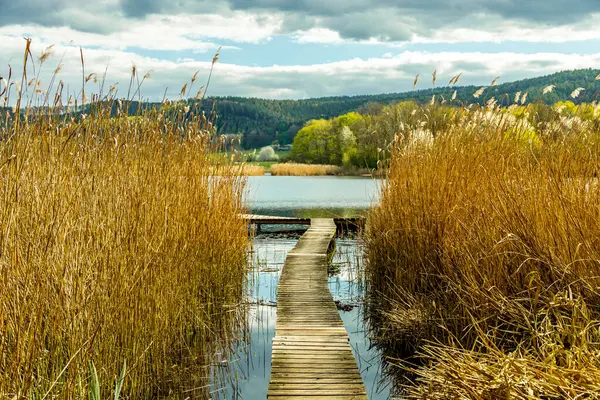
(273, 220)
(312, 357)
(345, 224)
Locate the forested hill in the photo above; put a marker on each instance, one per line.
(263, 121)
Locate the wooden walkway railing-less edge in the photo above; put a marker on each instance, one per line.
(344, 224)
(312, 357)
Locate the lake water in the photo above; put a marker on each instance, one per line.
(311, 196)
(247, 369)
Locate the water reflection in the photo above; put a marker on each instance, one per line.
(249, 367)
(311, 196)
(248, 370)
(347, 287)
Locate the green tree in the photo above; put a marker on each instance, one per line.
(311, 142)
(327, 141)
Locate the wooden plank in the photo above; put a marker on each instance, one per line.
(313, 363)
(311, 371)
(307, 346)
(311, 356)
(308, 350)
(318, 392)
(358, 388)
(283, 376)
(330, 355)
(319, 397)
(318, 380)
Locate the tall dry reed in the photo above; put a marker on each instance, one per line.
(484, 260)
(120, 244)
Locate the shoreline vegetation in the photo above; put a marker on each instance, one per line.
(298, 169)
(268, 161)
(360, 145)
(122, 256)
(483, 255)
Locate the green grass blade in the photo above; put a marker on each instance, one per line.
(94, 382)
(119, 383)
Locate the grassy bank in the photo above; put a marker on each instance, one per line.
(484, 260)
(119, 246)
(294, 169)
(265, 165)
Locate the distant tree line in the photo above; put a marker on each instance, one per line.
(262, 122)
(365, 140)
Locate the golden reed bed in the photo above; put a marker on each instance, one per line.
(484, 258)
(120, 251)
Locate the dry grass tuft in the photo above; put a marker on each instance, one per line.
(293, 169)
(252, 170)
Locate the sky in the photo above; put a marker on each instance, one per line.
(292, 49)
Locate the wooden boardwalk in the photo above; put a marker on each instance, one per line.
(312, 357)
(272, 220)
(351, 223)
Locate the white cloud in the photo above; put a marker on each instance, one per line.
(314, 21)
(201, 32)
(498, 30)
(390, 73)
(318, 35)
(473, 30)
(181, 32)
